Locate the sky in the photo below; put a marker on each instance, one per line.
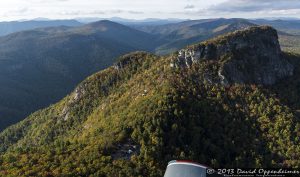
(142, 9)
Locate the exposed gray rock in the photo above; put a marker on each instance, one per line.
(121, 64)
(65, 114)
(79, 92)
(75, 97)
(248, 56)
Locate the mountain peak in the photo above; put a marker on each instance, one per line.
(103, 23)
(252, 31)
(252, 55)
(132, 118)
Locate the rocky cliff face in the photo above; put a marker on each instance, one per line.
(247, 56)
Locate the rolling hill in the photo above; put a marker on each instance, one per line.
(17, 26)
(38, 67)
(178, 35)
(220, 102)
(289, 26)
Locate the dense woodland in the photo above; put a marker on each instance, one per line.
(41, 66)
(159, 113)
(38, 67)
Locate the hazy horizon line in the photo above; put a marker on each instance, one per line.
(149, 19)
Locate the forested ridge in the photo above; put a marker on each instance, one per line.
(134, 117)
(39, 66)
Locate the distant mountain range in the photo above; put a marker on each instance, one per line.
(148, 21)
(16, 26)
(183, 33)
(39, 66)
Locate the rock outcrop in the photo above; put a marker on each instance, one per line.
(128, 59)
(247, 56)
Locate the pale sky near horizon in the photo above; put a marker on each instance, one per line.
(141, 9)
